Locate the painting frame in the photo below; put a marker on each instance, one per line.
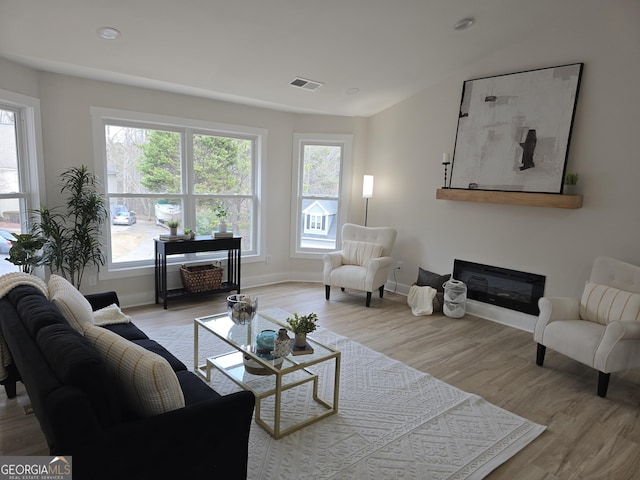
(514, 130)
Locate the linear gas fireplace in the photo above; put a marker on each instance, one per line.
(506, 288)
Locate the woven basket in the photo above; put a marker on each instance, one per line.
(201, 278)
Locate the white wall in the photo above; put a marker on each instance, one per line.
(67, 139)
(406, 143)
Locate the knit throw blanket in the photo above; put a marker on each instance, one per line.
(8, 282)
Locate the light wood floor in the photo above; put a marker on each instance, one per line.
(587, 437)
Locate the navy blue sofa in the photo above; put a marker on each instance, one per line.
(82, 415)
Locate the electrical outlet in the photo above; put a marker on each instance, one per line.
(93, 280)
(267, 259)
(399, 265)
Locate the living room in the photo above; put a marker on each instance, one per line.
(402, 146)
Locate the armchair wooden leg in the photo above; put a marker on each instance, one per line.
(327, 291)
(368, 299)
(603, 383)
(381, 289)
(540, 355)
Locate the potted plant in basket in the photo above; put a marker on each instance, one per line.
(173, 226)
(300, 325)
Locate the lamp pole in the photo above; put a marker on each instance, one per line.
(367, 193)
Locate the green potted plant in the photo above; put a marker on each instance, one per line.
(301, 325)
(73, 234)
(26, 252)
(190, 233)
(173, 226)
(570, 183)
(221, 213)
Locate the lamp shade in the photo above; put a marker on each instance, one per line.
(367, 186)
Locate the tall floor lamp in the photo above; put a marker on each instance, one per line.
(367, 192)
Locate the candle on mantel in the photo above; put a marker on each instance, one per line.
(445, 158)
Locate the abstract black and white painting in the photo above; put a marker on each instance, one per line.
(514, 130)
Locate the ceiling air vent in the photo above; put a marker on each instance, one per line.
(310, 85)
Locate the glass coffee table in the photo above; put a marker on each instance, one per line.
(276, 377)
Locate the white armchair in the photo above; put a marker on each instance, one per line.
(364, 261)
(602, 329)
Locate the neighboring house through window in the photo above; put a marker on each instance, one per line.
(319, 194)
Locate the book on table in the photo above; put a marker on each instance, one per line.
(222, 234)
(172, 238)
(307, 349)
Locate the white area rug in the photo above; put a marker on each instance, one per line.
(393, 422)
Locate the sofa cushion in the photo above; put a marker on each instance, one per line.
(127, 330)
(36, 312)
(155, 347)
(75, 362)
(359, 253)
(75, 308)
(603, 304)
(194, 389)
(146, 380)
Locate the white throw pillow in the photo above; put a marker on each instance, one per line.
(74, 307)
(603, 304)
(147, 381)
(359, 253)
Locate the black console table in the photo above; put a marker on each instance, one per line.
(163, 249)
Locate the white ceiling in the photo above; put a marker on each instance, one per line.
(247, 51)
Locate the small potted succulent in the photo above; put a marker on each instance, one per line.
(571, 183)
(173, 226)
(300, 325)
(190, 233)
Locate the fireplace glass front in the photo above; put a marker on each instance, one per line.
(506, 288)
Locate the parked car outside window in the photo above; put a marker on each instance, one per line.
(124, 218)
(5, 241)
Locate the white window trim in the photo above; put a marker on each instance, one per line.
(100, 114)
(299, 139)
(32, 166)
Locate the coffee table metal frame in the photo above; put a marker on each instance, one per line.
(294, 370)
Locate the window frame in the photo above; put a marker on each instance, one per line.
(187, 128)
(300, 140)
(29, 147)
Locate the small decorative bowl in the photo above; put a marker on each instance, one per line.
(242, 308)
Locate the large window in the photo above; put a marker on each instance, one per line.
(319, 191)
(19, 190)
(175, 169)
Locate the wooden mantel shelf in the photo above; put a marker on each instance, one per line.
(549, 200)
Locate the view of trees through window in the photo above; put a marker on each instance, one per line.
(11, 193)
(155, 175)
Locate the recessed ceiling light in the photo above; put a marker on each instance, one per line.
(464, 23)
(108, 33)
(352, 91)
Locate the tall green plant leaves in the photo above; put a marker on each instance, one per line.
(73, 236)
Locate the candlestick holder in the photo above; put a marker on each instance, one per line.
(446, 164)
